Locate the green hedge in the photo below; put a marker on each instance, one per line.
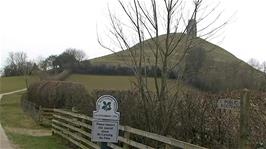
(57, 94)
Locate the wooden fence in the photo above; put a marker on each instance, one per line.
(41, 115)
(76, 128)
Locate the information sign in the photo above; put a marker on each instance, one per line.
(105, 124)
(228, 104)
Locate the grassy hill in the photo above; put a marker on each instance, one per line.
(8, 84)
(217, 53)
(92, 82)
(205, 65)
(106, 82)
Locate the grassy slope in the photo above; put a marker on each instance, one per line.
(92, 82)
(102, 82)
(32, 142)
(8, 84)
(11, 115)
(219, 66)
(215, 52)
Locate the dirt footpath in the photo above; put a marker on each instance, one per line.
(4, 142)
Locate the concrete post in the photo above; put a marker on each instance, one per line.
(244, 116)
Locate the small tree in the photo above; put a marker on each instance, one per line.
(78, 54)
(263, 66)
(254, 63)
(48, 63)
(17, 64)
(165, 54)
(65, 61)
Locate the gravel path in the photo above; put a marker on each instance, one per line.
(4, 142)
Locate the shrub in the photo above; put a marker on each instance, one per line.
(196, 118)
(57, 94)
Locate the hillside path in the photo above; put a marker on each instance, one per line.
(4, 142)
(1, 95)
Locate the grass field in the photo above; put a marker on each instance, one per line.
(214, 52)
(92, 82)
(32, 142)
(17, 124)
(11, 114)
(8, 84)
(103, 82)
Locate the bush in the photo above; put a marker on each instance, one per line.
(127, 104)
(57, 94)
(195, 119)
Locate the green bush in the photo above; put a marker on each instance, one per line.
(57, 94)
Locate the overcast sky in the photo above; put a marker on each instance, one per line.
(45, 27)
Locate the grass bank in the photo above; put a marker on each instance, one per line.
(92, 82)
(106, 82)
(22, 130)
(8, 84)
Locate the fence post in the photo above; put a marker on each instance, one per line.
(104, 145)
(244, 115)
(53, 117)
(167, 146)
(127, 136)
(40, 114)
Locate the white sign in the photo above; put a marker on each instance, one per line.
(105, 120)
(105, 131)
(228, 104)
(106, 107)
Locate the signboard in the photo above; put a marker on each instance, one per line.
(105, 131)
(105, 120)
(228, 104)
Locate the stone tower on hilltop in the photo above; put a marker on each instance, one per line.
(192, 27)
(192, 23)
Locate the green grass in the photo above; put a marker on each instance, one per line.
(216, 53)
(220, 70)
(105, 82)
(8, 84)
(12, 116)
(30, 142)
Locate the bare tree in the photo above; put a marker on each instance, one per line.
(78, 54)
(263, 66)
(149, 20)
(255, 63)
(17, 64)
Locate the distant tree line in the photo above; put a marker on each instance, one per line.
(18, 64)
(70, 59)
(257, 65)
(66, 60)
(85, 67)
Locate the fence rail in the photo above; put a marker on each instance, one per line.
(77, 129)
(41, 115)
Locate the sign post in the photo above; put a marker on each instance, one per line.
(242, 104)
(244, 116)
(105, 123)
(229, 104)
